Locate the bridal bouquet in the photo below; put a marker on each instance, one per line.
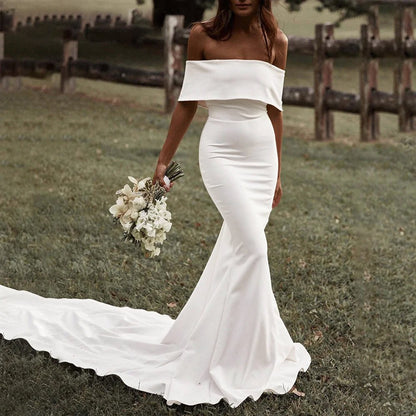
(142, 211)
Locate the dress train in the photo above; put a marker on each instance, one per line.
(229, 341)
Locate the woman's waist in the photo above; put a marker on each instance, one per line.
(236, 109)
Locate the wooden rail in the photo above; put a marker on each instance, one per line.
(11, 23)
(324, 48)
(123, 75)
(97, 29)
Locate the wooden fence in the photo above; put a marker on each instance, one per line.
(324, 48)
(100, 28)
(11, 23)
(369, 48)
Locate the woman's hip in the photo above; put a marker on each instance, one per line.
(239, 136)
(249, 145)
(239, 153)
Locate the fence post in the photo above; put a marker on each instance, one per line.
(3, 80)
(174, 55)
(403, 30)
(323, 67)
(369, 119)
(70, 53)
(13, 22)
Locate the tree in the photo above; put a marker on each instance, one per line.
(193, 10)
(347, 8)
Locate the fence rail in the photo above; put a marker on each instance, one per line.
(12, 23)
(324, 48)
(113, 73)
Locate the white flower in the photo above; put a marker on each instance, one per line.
(119, 208)
(149, 244)
(126, 224)
(146, 222)
(139, 203)
(135, 232)
(139, 225)
(143, 214)
(128, 192)
(148, 227)
(151, 232)
(129, 216)
(165, 225)
(160, 237)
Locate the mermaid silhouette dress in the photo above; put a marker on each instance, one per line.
(229, 341)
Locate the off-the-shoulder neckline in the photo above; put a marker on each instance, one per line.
(237, 60)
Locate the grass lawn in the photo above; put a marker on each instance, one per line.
(341, 242)
(341, 249)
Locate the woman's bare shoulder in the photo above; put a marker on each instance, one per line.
(198, 29)
(196, 42)
(280, 46)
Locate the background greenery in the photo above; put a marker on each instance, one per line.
(341, 242)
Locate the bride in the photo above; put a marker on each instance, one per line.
(238, 160)
(229, 341)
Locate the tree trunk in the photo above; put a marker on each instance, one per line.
(190, 10)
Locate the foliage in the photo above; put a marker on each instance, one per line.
(346, 8)
(206, 4)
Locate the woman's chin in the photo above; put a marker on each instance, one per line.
(246, 12)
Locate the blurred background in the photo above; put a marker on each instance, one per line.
(143, 47)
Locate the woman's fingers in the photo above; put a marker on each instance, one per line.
(159, 173)
(159, 177)
(277, 196)
(164, 184)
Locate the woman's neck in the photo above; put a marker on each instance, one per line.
(246, 24)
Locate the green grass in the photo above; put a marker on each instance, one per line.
(341, 250)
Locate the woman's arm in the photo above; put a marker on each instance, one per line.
(275, 115)
(180, 121)
(182, 115)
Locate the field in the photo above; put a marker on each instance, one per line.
(341, 242)
(88, 8)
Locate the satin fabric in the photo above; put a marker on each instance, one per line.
(229, 341)
(229, 79)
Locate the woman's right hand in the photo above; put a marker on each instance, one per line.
(159, 176)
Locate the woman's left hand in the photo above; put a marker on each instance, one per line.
(277, 193)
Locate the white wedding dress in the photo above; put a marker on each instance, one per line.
(229, 341)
